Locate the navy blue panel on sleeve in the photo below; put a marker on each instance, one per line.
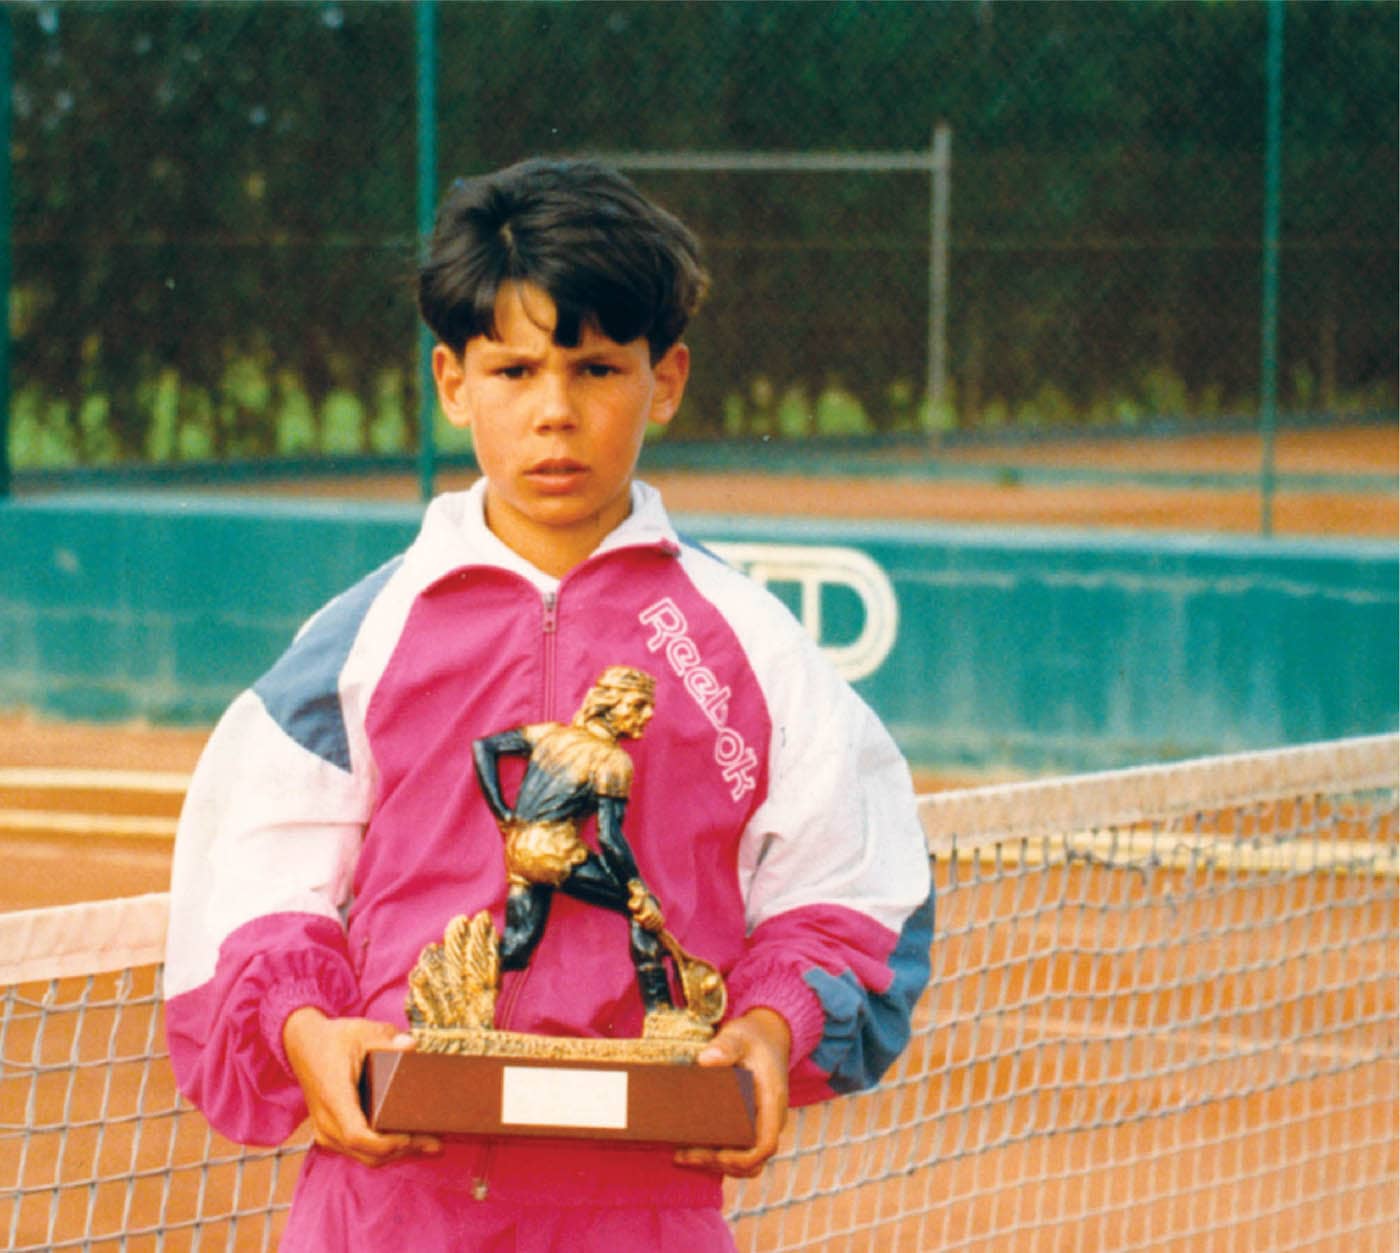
(301, 692)
(865, 1030)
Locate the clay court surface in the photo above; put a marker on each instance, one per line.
(1356, 450)
(912, 497)
(87, 812)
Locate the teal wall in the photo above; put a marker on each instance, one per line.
(1027, 650)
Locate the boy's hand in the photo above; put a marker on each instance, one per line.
(759, 1040)
(326, 1055)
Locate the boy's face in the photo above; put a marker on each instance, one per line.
(556, 430)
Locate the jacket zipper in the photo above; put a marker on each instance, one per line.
(549, 628)
(549, 632)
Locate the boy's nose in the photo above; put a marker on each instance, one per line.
(555, 403)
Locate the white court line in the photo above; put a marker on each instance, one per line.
(62, 822)
(126, 826)
(45, 778)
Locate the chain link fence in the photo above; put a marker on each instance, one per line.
(213, 226)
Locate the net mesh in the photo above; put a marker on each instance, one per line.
(1163, 1015)
(97, 1150)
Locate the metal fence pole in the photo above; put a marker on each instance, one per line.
(1268, 331)
(941, 174)
(6, 220)
(426, 13)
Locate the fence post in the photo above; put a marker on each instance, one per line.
(6, 223)
(1268, 331)
(941, 175)
(427, 202)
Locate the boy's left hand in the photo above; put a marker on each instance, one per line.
(759, 1040)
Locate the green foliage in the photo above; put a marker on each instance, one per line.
(215, 209)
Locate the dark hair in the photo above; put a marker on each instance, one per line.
(606, 255)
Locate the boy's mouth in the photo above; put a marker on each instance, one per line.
(556, 473)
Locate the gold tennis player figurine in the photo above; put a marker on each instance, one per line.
(573, 772)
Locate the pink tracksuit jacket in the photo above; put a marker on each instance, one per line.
(334, 826)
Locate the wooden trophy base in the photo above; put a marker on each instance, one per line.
(518, 1085)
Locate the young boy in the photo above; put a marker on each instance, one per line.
(335, 823)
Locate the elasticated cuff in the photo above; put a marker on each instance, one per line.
(280, 1003)
(778, 987)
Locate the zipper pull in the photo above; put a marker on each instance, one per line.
(479, 1189)
(551, 612)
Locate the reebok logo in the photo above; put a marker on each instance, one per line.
(670, 636)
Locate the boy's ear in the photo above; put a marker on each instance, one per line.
(450, 376)
(670, 374)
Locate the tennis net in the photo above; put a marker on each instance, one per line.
(1163, 1015)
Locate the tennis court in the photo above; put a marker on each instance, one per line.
(1163, 1016)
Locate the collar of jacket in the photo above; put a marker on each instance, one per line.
(454, 536)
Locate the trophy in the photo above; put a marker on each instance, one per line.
(467, 1076)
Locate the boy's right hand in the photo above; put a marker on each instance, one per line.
(326, 1056)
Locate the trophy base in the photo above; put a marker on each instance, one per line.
(503, 1083)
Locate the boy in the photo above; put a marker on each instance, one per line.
(336, 823)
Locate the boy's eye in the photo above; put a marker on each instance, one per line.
(599, 369)
(512, 371)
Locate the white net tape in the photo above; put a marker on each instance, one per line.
(1164, 1015)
